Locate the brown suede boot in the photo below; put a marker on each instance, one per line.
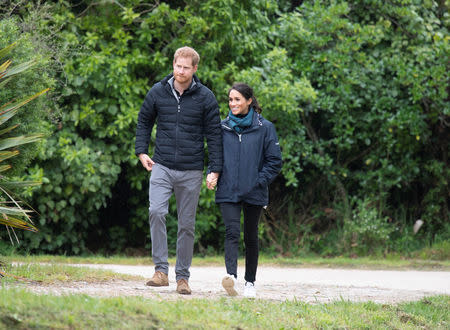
(183, 287)
(159, 279)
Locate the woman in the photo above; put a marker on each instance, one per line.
(252, 159)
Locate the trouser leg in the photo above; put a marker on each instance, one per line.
(231, 215)
(187, 190)
(251, 219)
(160, 190)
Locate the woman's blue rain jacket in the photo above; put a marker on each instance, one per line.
(252, 160)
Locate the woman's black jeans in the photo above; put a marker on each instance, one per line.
(231, 214)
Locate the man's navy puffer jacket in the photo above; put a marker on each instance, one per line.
(181, 128)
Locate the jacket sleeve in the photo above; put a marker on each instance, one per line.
(272, 157)
(145, 122)
(213, 133)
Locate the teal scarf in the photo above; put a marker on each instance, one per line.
(238, 124)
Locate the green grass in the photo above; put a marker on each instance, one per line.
(94, 259)
(390, 262)
(53, 273)
(20, 309)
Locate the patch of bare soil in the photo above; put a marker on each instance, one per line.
(278, 292)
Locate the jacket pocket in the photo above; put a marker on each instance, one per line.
(259, 192)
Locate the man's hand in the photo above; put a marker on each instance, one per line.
(146, 161)
(211, 180)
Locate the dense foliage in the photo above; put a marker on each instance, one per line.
(358, 92)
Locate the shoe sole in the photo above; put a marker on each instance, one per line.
(184, 292)
(228, 285)
(150, 283)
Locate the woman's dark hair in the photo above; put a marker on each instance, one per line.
(247, 92)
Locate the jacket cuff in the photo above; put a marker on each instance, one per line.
(140, 151)
(216, 170)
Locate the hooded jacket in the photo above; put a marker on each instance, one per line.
(252, 160)
(182, 125)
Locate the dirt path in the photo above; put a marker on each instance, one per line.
(279, 284)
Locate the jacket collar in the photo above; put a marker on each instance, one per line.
(194, 84)
(256, 122)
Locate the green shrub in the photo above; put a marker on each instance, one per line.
(367, 232)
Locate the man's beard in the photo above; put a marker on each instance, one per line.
(181, 79)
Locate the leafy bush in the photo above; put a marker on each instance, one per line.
(367, 232)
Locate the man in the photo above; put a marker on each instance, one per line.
(187, 112)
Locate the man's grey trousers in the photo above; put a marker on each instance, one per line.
(186, 185)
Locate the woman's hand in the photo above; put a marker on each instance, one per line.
(211, 180)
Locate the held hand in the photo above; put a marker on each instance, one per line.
(211, 180)
(146, 161)
(211, 184)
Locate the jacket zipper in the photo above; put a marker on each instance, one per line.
(230, 129)
(172, 91)
(176, 129)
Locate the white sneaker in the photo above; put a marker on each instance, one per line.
(229, 284)
(249, 290)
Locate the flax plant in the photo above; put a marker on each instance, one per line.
(12, 214)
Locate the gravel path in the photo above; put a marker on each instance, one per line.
(274, 283)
